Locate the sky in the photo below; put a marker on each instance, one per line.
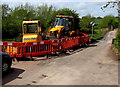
(83, 7)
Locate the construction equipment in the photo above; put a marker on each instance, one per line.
(33, 44)
(45, 47)
(62, 27)
(31, 31)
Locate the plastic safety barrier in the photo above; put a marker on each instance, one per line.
(37, 48)
(15, 49)
(29, 49)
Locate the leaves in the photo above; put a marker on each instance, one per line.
(12, 18)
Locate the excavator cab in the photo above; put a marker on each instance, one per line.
(31, 31)
(63, 21)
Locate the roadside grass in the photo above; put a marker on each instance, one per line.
(99, 33)
(10, 40)
(117, 44)
(116, 48)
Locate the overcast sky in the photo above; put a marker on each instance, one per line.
(83, 7)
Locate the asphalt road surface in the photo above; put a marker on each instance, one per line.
(93, 65)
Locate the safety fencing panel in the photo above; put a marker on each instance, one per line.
(37, 48)
(64, 44)
(29, 49)
(15, 49)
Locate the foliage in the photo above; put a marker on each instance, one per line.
(11, 40)
(12, 19)
(117, 41)
(110, 22)
(99, 33)
(46, 14)
(69, 12)
(117, 4)
(6, 20)
(85, 23)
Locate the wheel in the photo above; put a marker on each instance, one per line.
(5, 67)
(6, 63)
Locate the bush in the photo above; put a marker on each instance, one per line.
(117, 41)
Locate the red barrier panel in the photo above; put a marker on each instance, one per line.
(37, 48)
(12, 48)
(18, 49)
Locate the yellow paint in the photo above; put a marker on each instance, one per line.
(31, 38)
(34, 21)
(57, 28)
(64, 16)
(72, 32)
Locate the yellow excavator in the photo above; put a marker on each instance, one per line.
(62, 27)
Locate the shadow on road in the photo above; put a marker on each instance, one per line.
(71, 51)
(92, 45)
(13, 74)
(24, 59)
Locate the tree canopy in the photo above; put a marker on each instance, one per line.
(12, 18)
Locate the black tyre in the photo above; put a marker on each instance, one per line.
(6, 63)
(6, 67)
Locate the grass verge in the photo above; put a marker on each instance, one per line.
(10, 40)
(116, 47)
(99, 33)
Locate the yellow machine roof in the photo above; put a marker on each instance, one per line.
(64, 16)
(34, 21)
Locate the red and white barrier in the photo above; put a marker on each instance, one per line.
(29, 49)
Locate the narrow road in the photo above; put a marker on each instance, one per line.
(94, 65)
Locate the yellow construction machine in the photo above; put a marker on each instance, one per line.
(62, 27)
(31, 31)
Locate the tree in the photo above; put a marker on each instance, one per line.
(12, 19)
(69, 12)
(116, 3)
(85, 23)
(21, 13)
(110, 22)
(46, 15)
(6, 20)
(5, 10)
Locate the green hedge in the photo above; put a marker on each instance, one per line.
(117, 41)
